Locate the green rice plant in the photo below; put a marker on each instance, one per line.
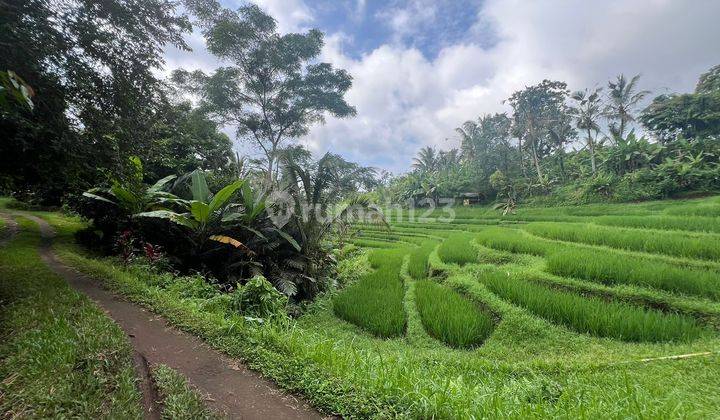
(700, 209)
(366, 243)
(458, 249)
(669, 243)
(418, 262)
(375, 302)
(592, 315)
(516, 241)
(451, 318)
(613, 268)
(696, 223)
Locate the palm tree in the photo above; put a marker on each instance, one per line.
(623, 99)
(587, 114)
(448, 159)
(426, 160)
(468, 132)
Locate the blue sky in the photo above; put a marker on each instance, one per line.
(423, 67)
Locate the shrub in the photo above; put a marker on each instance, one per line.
(259, 298)
(451, 318)
(458, 249)
(611, 268)
(593, 315)
(192, 287)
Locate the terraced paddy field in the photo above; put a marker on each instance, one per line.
(601, 311)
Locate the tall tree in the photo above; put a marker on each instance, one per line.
(275, 89)
(92, 65)
(587, 113)
(537, 110)
(692, 115)
(426, 160)
(623, 98)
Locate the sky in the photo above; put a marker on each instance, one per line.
(421, 67)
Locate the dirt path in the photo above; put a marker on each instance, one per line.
(232, 389)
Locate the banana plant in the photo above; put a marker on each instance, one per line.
(207, 216)
(133, 197)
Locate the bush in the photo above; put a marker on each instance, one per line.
(259, 298)
(192, 287)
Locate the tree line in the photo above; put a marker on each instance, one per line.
(561, 146)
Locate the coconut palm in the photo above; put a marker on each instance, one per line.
(623, 97)
(587, 113)
(426, 160)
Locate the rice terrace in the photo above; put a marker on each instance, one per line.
(211, 209)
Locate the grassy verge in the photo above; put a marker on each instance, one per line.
(375, 302)
(612, 268)
(61, 356)
(451, 318)
(592, 315)
(458, 249)
(178, 400)
(669, 243)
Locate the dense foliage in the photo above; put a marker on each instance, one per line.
(558, 146)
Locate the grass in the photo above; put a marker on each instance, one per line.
(178, 400)
(418, 260)
(697, 224)
(61, 356)
(592, 315)
(614, 268)
(528, 369)
(451, 318)
(704, 210)
(375, 302)
(516, 241)
(669, 243)
(458, 249)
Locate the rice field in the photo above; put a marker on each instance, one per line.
(450, 317)
(667, 253)
(375, 302)
(599, 311)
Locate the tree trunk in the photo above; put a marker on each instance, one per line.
(536, 160)
(591, 145)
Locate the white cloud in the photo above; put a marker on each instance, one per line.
(405, 100)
